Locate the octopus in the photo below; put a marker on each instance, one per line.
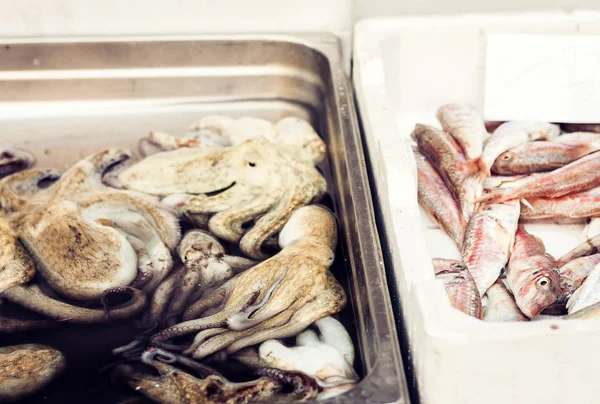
(16, 266)
(205, 265)
(294, 135)
(88, 241)
(175, 386)
(14, 160)
(327, 357)
(26, 369)
(277, 298)
(256, 184)
(9, 325)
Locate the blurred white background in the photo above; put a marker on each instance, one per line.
(95, 17)
(377, 8)
(47, 18)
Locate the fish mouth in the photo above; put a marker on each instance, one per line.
(221, 190)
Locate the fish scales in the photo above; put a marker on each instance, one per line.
(587, 294)
(574, 205)
(466, 126)
(438, 201)
(488, 241)
(514, 133)
(573, 273)
(445, 155)
(578, 176)
(460, 287)
(540, 156)
(501, 305)
(532, 274)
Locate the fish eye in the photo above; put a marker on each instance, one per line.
(506, 156)
(543, 281)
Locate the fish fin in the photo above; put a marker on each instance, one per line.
(482, 166)
(526, 203)
(504, 237)
(490, 196)
(539, 240)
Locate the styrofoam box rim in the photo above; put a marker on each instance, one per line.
(448, 347)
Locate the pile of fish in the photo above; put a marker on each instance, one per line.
(103, 242)
(482, 188)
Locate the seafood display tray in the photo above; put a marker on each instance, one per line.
(64, 99)
(404, 69)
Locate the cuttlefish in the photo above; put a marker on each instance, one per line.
(277, 298)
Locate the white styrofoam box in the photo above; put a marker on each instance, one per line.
(404, 69)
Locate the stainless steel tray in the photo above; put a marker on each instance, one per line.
(63, 100)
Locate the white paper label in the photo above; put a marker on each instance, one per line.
(542, 77)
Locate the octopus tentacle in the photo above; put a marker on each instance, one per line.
(110, 177)
(251, 243)
(16, 266)
(215, 299)
(86, 174)
(304, 387)
(13, 160)
(161, 298)
(189, 327)
(323, 305)
(224, 340)
(11, 325)
(144, 266)
(121, 290)
(135, 347)
(333, 333)
(32, 298)
(238, 264)
(300, 139)
(182, 296)
(228, 224)
(17, 191)
(200, 369)
(260, 311)
(202, 336)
